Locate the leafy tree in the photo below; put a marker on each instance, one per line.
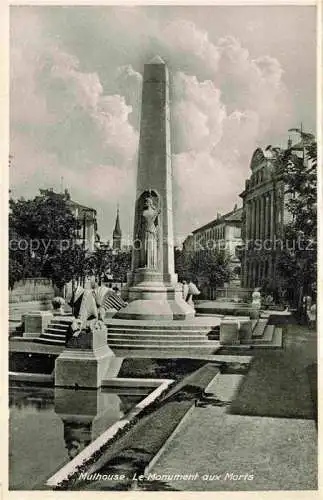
(99, 263)
(15, 272)
(180, 264)
(42, 239)
(121, 265)
(297, 263)
(210, 266)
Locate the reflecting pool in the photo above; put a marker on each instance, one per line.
(50, 426)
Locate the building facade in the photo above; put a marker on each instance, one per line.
(86, 232)
(263, 220)
(223, 233)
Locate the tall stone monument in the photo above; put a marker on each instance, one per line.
(153, 291)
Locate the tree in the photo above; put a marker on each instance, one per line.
(121, 265)
(180, 264)
(99, 263)
(209, 266)
(42, 239)
(297, 261)
(15, 272)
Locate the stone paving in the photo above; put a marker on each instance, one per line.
(252, 451)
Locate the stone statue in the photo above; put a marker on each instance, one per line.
(256, 298)
(85, 311)
(150, 234)
(58, 304)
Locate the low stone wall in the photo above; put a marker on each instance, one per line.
(231, 292)
(32, 289)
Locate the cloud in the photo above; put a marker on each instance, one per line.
(198, 113)
(183, 38)
(79, 71)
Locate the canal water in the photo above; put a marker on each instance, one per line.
(50, 426)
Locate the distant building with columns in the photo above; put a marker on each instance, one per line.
(224, 233)
(264, 216)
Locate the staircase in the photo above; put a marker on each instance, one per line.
(55, 333)
(173, 337)
(263, 336)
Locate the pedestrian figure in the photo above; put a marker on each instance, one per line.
(193, 291)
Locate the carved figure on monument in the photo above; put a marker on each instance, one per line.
(149, 231)
(85, 313)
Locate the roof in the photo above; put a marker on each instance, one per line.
(75, 204)
(233, 216)
(261, 155)
(117, 228)
(157, 60)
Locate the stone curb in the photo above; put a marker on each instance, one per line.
(71, 467)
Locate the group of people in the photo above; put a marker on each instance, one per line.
(190, 290)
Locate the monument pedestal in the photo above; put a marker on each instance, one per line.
(229, 332)
(35, 323)
(152, 295)
(86, 360)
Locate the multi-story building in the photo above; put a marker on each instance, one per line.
(87, 224)
(224, 233)
(264, 217)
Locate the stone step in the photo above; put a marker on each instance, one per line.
(170, 332)
(45, 340)
(253, 324)
(259, 328)
(277, 340)
(56, 324)
(63, 321)
(157, 341)
(170, 326)
(135, 345)
(53, 335)
(140, 335)
(267, 336)
(209, 315)
(54, 329)
(224, 387)
(202, 352)
(236, 318)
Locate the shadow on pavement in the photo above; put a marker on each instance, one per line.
(277, 385)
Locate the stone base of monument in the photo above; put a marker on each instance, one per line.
(156, 309)
(86, 360)
(255, 311)
(35, 323)
(163, 338)
(245, 333)
(152, 298)
(229, 332)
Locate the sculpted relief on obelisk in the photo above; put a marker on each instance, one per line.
(148, 231)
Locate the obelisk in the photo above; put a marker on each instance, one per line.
(153, 291)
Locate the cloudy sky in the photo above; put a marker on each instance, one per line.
(240, 77)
